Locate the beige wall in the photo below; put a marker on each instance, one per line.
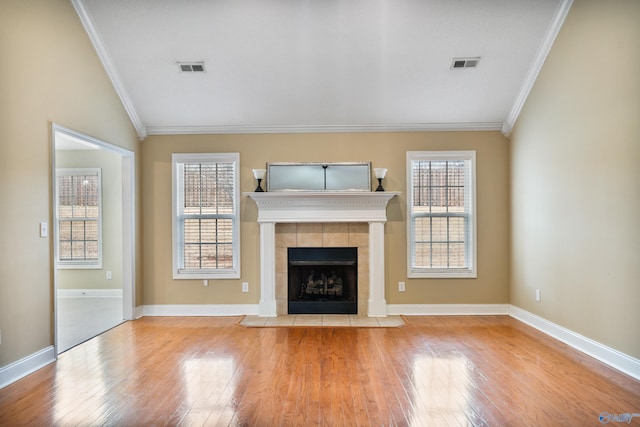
(110, 165)
(383, 150)
(49, 72)
(575, 197)
(576, 179)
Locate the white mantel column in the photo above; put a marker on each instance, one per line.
(377, 302)
(267, 307)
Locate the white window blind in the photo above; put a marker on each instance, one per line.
(206, 229)
(79, 218)
(442, 214)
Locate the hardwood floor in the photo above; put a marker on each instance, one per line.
(436, 370)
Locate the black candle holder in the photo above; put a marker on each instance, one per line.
(380, 174)
(258, 174)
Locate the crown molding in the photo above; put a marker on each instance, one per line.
(105, 58)
(249, 129)
(541, 55)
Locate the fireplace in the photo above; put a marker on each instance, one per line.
(288, 207)
(322, 280)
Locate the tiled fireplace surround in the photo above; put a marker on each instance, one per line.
(325, 235)
(321, 219)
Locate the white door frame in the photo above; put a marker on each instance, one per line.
(128, 221)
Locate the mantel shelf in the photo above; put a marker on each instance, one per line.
(322, 206)
(322, 195)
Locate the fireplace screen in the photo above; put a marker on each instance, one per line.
(323, 280)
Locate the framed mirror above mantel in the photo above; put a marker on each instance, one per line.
(310, 176)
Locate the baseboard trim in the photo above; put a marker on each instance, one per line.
(138, 312)
(91, 293)
(447, 309)
(614, 358)
(25, 366)
(200, 310)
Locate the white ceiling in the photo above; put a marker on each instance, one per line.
(321, 65)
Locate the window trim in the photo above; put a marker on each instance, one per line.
(79, 264)
(178, 273)
(450, 273)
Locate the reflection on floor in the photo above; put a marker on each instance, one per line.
(82, 318)
(333, 320)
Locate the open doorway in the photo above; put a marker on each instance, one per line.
(93, 236)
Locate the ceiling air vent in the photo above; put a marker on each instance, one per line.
(191, 67)
(458, 63)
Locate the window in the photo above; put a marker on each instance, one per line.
(79, 218)
(206, 230)
(442, 225)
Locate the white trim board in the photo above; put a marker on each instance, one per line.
(536, 66)
(447, 309)
(25, 366)
(601, 352)
(139, 312)
(109, 67)
(253, 129)
(90, 293)
(200, 310)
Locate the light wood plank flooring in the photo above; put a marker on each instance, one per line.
(436, 370)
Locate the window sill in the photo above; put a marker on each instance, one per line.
(206, 276)
(71, 266)
(443, 274)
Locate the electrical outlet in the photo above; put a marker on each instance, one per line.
(538, 295)
(245, 286)
(205, 282)
(109, 275)
(401, 286)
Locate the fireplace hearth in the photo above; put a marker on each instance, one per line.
(323, 280)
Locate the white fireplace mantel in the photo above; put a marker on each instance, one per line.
(326, 206)
(288, 207)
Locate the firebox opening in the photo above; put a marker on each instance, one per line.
(323, 280)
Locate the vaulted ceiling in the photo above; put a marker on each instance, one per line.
(321, 65)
